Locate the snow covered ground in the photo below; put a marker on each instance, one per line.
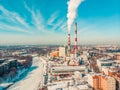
(34, 78)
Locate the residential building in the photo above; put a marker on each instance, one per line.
(101, 82)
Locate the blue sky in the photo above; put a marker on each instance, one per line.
(45, 22)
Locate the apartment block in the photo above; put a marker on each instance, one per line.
(101, 82)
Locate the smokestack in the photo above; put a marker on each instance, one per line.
(71, 15)
(75, 47)
(69, 44)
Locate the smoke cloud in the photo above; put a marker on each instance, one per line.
(72, 11)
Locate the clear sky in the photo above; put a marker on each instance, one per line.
(45, 22)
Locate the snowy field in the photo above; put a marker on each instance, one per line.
(34, 78)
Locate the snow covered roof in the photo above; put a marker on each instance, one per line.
(68, 68)
(63, 86)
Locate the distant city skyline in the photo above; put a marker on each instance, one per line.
(45, 22)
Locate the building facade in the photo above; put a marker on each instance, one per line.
(101, 82)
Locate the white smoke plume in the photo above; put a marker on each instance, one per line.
(72, 11)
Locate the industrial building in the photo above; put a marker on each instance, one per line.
(105, 62)
(62, 51)
(54, 54)
(75, 82)
(64, 86)
(68, 70)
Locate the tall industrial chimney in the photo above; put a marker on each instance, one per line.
(75, 47)
(69, 44)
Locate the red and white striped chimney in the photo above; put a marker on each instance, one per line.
(69, 44)
(75, 47)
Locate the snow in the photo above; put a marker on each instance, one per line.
(34, 78)
(64, 86)
(4, 85)
(57, 85)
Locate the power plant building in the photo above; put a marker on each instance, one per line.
(58, 70)
(62, 52)
(54, 54)
(104, 62)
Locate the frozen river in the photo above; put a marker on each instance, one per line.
(31, 80)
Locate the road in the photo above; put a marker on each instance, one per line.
(34, 79)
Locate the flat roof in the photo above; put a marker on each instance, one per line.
(63, 85)
(66, 68)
